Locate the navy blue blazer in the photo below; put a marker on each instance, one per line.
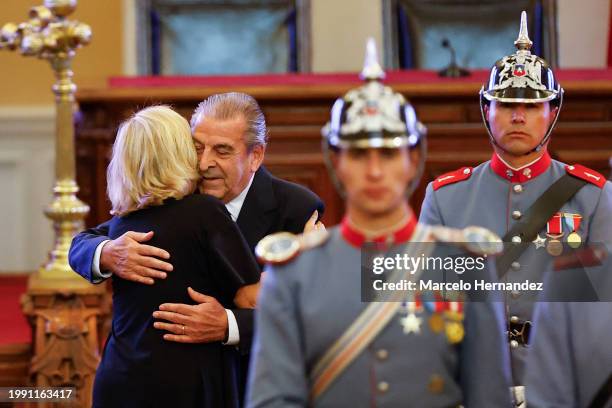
(271, 205)
(140, 368)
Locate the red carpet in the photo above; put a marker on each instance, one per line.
(15, 328)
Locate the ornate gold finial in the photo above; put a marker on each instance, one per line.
(61, 8)
(48, 34)
(371, 68)
(523, 43)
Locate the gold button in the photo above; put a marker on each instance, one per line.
(382, 354)
(514, 319)
(436, 384)
(517, 188)
(383, 386)
(516, 214)
(515, 265)
(514, 344)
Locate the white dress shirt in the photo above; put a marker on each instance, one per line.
(233, 207)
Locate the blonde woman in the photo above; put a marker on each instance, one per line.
(151, 179)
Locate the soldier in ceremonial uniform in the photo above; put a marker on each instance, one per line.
(539, 204)
(317, 342)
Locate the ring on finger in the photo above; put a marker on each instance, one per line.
(183, 329)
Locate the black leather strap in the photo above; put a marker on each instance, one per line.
(603, 395)
(536, 218)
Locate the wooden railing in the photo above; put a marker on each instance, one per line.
(297, 108)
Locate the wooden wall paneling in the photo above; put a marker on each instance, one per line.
(15, 364)
(296, 114)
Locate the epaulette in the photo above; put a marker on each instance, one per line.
(586, 174)
(476, 240)
(461, 174)
(282, 247)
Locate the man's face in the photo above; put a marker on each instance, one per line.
(519, 127)
(224, 161)
(375, 180)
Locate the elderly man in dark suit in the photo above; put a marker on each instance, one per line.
(230, 135)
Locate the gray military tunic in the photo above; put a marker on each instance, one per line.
(572, 351)
(572, 355)
(307, 304)
(487, 199)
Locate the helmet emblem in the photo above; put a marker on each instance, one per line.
(519, 70)
(371, 108)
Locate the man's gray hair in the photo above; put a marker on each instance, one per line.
(230, 105)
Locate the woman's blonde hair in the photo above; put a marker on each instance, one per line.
(154, 158)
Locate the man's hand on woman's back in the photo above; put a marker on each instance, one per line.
(130, 259)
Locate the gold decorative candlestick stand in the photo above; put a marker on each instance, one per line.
(64, 310)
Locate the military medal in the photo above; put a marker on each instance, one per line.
(554, 231)
(574, 240)
(539, 242)
(435, 307)
(436, 323)
(554, 247)
(454, 325)
(454, 311)
(454, 332)
(573, 224)
(411, 323)
(436, 384)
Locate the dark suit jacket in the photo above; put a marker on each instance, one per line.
(271, 205)
(138, 367)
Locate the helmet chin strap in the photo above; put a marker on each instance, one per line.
(420, 169)
(330, 169)
(540, 145)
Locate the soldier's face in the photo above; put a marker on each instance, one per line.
(519, 127)
(375, 180)
(225, 163)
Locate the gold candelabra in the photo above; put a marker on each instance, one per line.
(66, 313)
(48, 34)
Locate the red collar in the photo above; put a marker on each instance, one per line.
(357, 238)
(525, 173)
